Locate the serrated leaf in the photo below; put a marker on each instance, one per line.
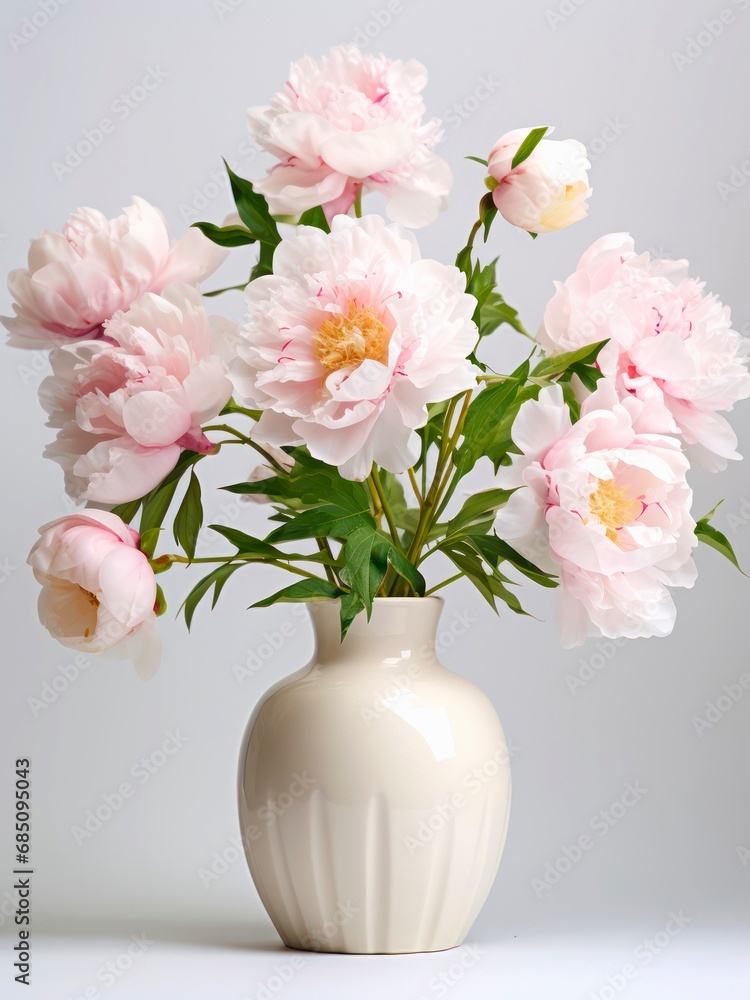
(528, 146)
(301, 591)
(225, 236)
(189, 517)
(556, 364)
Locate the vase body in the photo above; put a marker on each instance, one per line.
(374, 790)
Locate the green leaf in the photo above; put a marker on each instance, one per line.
(148, 541)
(326, 521)
(225, 236)
(366, 560)
(495, 311)
(477, 509)
(367, 555)
(490, 585)
(407, 570)
(246, 544)
(469, 563)
(588, 375)
(127, 511)
(189, 518)
(483, 421)
(487, 213)
(477, 159)
(220, 291)
(301, 591)
(528, 146)
(216, 578)
(351, 606)
(315, 217)
(481, 284)
(156, 506)
(709, 535)
(253, 209)
(463, 262)
(556, 364)
(494, 550)
(156, 503)
(311, 483)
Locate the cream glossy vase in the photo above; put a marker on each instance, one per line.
(374, 789)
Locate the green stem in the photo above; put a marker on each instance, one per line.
(439, 586)
(174, 558)
(358, 203)
(445, 456)
(380, 492)
(377, 510)
(323, 546)
(244, 410)
(415, 485)
(244, 439)
(472, 235)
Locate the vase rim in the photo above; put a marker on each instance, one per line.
(385, 600)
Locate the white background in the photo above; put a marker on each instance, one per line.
(662, 136)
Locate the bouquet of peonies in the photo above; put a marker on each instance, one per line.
(359, 381)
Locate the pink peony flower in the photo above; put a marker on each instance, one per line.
(671, 346)
(605, 505)
(348, 122)
(548, 190)
(125, 407)
(98, 589)
(78, 279)
(350, 339)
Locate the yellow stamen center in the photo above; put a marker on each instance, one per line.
(347, 341)
(612, 507)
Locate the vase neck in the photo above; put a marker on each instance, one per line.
(399, 629)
